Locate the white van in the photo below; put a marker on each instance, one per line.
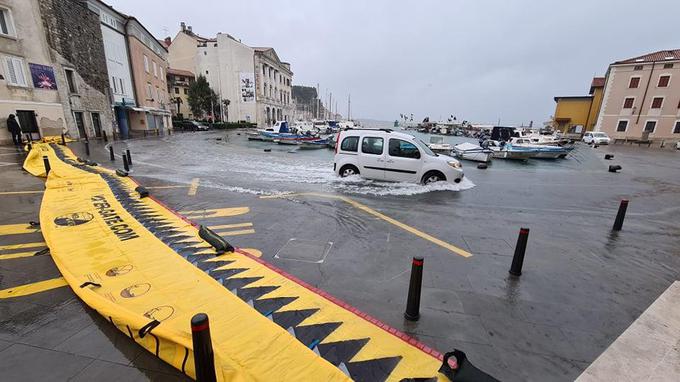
(387, 155)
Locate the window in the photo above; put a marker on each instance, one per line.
(186, 91)
(657, 102)
(634, 82)
(115, 85)
(14, 68)
(158, 94)
(350, 144)
(676, 128)
(155, 69)
(650, 126)
(372, 145)
(628, 102)
(622, 126)
(206, 72)
(162, 74)
(668, 66)
(176, 90)
(637, 67)
(403, 149)
(663, 81)
(149, 90)
(122, 88)
(71, 81)
(6, 23)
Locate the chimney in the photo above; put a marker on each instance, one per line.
(168, 41)
(183, 25)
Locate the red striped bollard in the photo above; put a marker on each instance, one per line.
(520, 248)
(204, 359)
(413, 302)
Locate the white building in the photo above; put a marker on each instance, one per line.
(117, 62)
(274, 87)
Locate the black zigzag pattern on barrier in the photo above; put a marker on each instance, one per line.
(338, 353)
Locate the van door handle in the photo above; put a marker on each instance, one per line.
(390, 161)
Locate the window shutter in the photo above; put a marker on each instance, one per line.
(21, 78)
(11, 73)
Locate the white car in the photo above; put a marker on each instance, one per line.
(387, 155)
(596, 137)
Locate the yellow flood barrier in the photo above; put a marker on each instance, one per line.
(147, 271)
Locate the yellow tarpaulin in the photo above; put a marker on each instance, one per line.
(135, 261)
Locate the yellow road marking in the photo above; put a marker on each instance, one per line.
(21, 192)
(16, 229)
(21, 246)
(163, 187)
(28, 289)
(17, 255)
(225, 226)
(379, 215)
(236, 233)
(253, 251)
(215, 213)
(194, 187)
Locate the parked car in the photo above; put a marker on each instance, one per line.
(192, 125)
(387, 155)
(596, 137)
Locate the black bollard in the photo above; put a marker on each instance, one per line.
(413, 303)
(46, 161)
(129, 157)
(614, 168)
(63, 139)
(87, 148)
(608, 156)
(113, 157)
(125, 163)
(520, 249)
(204, 359)
(618, 223)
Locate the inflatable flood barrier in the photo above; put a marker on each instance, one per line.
(148, 272)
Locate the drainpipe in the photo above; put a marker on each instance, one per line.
(644, 96)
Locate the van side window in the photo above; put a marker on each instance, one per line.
(403, 149)
(350, 144)
(372, 145)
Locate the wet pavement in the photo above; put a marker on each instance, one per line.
(581, 285)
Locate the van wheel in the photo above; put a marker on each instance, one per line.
(348, 170)
(433, 176)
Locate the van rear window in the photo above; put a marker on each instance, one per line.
(350, 144)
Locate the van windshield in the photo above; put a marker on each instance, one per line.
(423, 146)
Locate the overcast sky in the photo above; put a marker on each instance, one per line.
(479, 60)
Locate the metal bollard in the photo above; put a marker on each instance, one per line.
(618, 223)
(113, 157)
(520, 249)
(46, 161)
(63, 139)
(87, 148)
(125, 162)
(204, 359)
(413, 303)
(129, 157)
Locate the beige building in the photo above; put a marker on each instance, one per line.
(178, 90)
(274, 87)
(23, 51)
(642, 97)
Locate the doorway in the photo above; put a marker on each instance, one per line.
(80, 123)
(28, 123)
(97, 124)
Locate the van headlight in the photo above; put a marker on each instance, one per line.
(454, 164)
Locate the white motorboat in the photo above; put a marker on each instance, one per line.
(438, 146)
(470, 151)
(543, 151)
(508, 151)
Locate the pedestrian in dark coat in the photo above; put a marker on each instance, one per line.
(14, 129)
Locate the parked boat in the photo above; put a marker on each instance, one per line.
(288, 141)
(472, 152)
(503, 150)
(280, 131)
(313, 145)
(543, 151)
(438, 146)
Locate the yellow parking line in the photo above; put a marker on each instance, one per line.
(225, 226)
(17, 255)
(236, 233)
(194, 187)
(28, 289)
(379, 215)
(215, 213)
(21, 192)
(22, 246)
(16, 229)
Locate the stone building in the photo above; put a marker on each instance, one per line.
(274, 86)
(178, 91)
(642, 97)
(77, 52)
(149, 64)
(28, 86)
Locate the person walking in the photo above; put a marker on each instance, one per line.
(14, 129)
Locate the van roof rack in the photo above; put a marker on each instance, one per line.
(364, 128)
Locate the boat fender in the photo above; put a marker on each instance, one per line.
(614, 168)
(122, 173)
(482, 166)
(220, 245)
(464, 371)
(608, 156)
(143, 191)
(267, 150)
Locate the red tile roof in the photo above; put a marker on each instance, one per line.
(180, 72)
(598, 82)
(662, 55)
